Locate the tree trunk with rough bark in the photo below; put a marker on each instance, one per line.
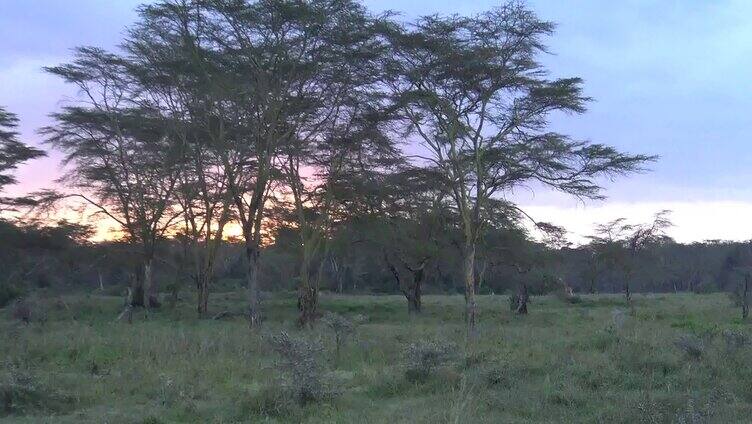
(413, 303)
(413, 291)
(202, 287)
(252, 253)
(308, 293)
(150, 285)
(308, 298)
(137, 288)
(471, 305)
(522, 298)
(627, 292)
(415, 298)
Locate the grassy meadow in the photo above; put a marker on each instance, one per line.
(672, 358)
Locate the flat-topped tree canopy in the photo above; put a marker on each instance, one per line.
(12, 153)
(475, 95)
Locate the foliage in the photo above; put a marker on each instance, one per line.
(691, 345)
(342, 327)
(735, 340)
(556, 365)
(12, 154)
(21, 393)
(424, 357)
(300, 363)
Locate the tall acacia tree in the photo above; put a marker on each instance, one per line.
(416, 224)
(119, 159)
(283, 57)
(336, 126)
(347, 153)
(175, 60)
(472, 90)
(402, 215)
(267, 48)
(12, 153)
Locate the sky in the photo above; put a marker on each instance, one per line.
(668, 78)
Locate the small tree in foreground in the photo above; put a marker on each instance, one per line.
(300, 363)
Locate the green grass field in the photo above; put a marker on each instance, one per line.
(563, 363)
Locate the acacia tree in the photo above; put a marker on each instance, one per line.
(346, 154)
(618, 244)
(176, 61)
(12, 153)
(267, 46)
(292, 64)
(119, 159)
(336, 129)
(415, 223)
(410, 246)
(474, 94)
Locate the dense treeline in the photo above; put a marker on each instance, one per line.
(59, 258)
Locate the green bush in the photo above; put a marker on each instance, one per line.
(301, 369)
(423, 357)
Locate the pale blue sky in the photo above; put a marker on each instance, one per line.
(668, 77)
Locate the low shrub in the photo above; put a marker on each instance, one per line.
(735, 340)
(423, 357)
(342, 327)
(27, 310)
(301, 369)
(21, 393)
(115, 290)
(691, 345)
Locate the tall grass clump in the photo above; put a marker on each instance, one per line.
(21, 393)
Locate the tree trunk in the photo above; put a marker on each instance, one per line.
(137, 288)
(627, 293)
(254, 302)
(203, 294)
(414, 300)
(522, 299)
(471, 306)
(308, 294)
(150, 285)
(413, 293)
(745, 297)
(308, 298)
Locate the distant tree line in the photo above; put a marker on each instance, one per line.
(60, 258)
